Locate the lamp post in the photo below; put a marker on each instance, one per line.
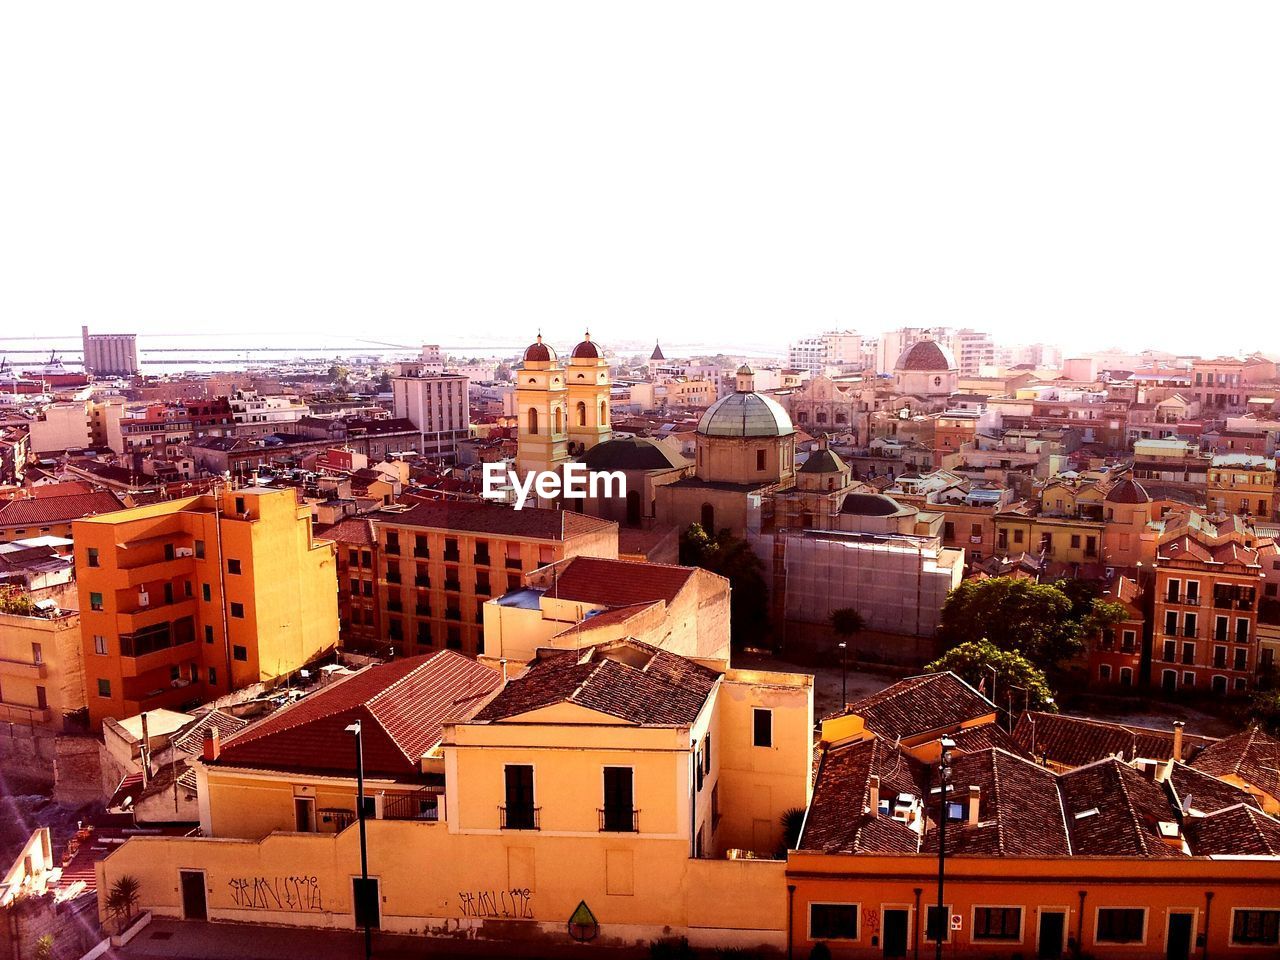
(944, 781)
(844, 699)
(354, 729)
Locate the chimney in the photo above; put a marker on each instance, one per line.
(503, 661)
(1177, 739)
(212, 743)
(874, 784)
(144, 751)
(971, 815)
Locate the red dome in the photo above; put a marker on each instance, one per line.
(586, 350)
(539, 352)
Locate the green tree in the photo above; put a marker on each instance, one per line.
(384, 382)
(1264, 711)
(973, 661)
(123, 898)
(732, 558)
(44, 948)
(847, 624)
(1013, 614)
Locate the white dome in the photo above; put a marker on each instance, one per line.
(745, 415)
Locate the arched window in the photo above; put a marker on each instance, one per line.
(709, 519)
(822, 416)
(533, 419)
(604, 412)
(841, 418)
(559, 421)
(582, 414)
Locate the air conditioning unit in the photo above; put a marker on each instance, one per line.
(144, 598)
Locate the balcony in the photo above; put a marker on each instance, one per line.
(421, 804)
(153, 614)
(1183, 599)
(393, 576)
(23, 669)
(453, 585)
(514, 563)
(482, 559)
(619, 820)
(27, 716)
(452, 556)
(157, 570)
(421, 581)
(519, 818)
(453, 615)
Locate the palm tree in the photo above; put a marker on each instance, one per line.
(123, 898)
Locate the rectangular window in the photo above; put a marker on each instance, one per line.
(1256, 927)
(237, 610)
(208, 633)
(240, 653)
(104, 688)
(618, 813)
(1121, 925)
(233, 566)
(213, 677)
(520, 813)
(938, 921)
(199, 549)
(99, 644)
(240, 505)
(93, 556)
(833, 921)
(997, 923)
(206, 593)
(37, 653)
(1171, 623)
(1189, 625)
(759, 459)
(1241, 659)
(95, 601)
(762, 729)
(169, 553)
(706, 753)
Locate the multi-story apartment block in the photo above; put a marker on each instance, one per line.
(78, 425)
(438, 562)
(41, 664)
(973, 350)
(1176, 464)
(1222, 384)
(257, 414)
(1208, 581)
(1243, 484)
(835, 348)
(436, 404)
(186, 600)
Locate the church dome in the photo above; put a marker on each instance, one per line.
(539, 352)
(926, 355)
(745, 415)
(745, 371)
(632, 453)
(586, 350)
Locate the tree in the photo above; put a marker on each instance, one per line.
(123, 898)
(1264, 711)
(847, 623)
(732, 558)
(1013, 614)
(792, 822)
(384, 382)
(974, 660)
(44, 948)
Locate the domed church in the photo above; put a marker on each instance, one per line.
(927, 369)
(563, 409)
(745, 445)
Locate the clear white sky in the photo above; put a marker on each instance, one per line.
(1093, 173)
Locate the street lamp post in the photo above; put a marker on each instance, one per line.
(354, 729)
(844, 699)
(944, 780)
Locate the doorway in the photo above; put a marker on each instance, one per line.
(1178, 943)
(896, 926)
(368, 902)
(304, 814)
(1050, 941)
(193, 895)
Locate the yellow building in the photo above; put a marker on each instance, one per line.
(1242, 484)
(41, 666)
(542, 404)
(617, 776)
(185, 600)
(587, 376)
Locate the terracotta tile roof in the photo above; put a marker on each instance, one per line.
(606, 618)
(1076, 741)
(839, 818)
(1112, 810)
(618, 583)
(1019, 811)
(1252, 756)
(402, 705)
(47, 510)
(1197, 793)
(916, 705)
(492, 518)
(625, 679)
(1241, 830)
(986, 736)
(191, 740)
(349, 531)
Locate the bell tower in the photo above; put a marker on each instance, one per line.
(542, 407)
(587, 377)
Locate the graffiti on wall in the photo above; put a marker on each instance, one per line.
(299, 893)
(514, 903)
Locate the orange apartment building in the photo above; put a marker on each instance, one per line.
(1115, 655)
(1242, 484)
(1208, 581)
(185, 600)
(436, 563)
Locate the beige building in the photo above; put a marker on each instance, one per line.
(41, 664)
(436, 405)
(79, 425)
